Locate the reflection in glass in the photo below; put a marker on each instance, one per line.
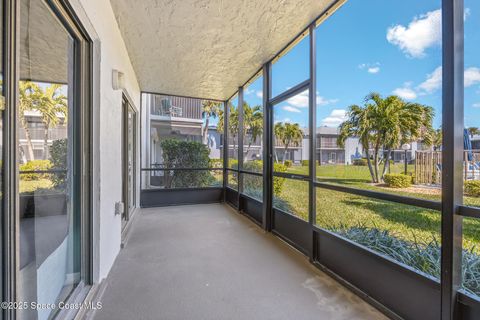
(471, 154)
(2, 108)
(49, 218)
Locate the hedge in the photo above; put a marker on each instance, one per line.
(35, 165)
(397, 180)
(360, 162)
(186, 154)
(472, 188)
(305, 163)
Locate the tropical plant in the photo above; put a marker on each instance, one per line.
(422, 256)
(186, 154)
(29, 99)
(252, 123)
(289, 134)
(397, 180)
(473, 131)
(385, 124)
(52, 105)
(29, 170)
(233, 124)
(59, 158)
(210, 109)
(437, 139)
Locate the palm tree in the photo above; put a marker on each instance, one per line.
(385, 124)
(252, 123)
(288, 134)
(52, 105)
(233, 124)
(209, 109)
(473, 131)
(29, 100)
(437, 139)
(359, 124)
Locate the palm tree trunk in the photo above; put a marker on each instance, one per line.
(369, 163)
(205, 131)
(375, 162)
(28, 136)
(386, 166)
(45, 141)
(285, 154)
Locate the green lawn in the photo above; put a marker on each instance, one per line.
(343, 210)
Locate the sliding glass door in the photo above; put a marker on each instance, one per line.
(51, 147)
(129, 156)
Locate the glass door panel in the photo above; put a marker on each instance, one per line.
(49, 239)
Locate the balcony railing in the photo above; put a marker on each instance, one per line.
(177, 107)
(39, 134)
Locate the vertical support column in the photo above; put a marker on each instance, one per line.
(452, 157)
(312, 103)
(240, 143)
(10, 219)
(225, 148)
(267, 150)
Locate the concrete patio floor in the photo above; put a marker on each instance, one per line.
(209, 262)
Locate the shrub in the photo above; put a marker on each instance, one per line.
(216, 163)
(288, 163)
(254, 166)
(360, 162)
(58, 156)
(305, 163)
(186, 154)
(35, 165)
(424, 257)
(397, 180)
(233, 164)
(278, 182)
(472, 188)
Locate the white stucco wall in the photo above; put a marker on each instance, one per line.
(108, 117)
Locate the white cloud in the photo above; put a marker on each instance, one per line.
(432, 83)
(371, 67)
(336, 117)
(405, 92)
(421, 33)
(260, 94)
(301, 100)
(362, 66)
(291, 109)
(321, 101)
(249, 91)
(434, 80)
(476, 105)
(472, 76)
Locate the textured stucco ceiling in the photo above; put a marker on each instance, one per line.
(207, 48)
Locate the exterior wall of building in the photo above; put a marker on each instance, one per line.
(110, 54)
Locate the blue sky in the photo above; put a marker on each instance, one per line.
(391, 47)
